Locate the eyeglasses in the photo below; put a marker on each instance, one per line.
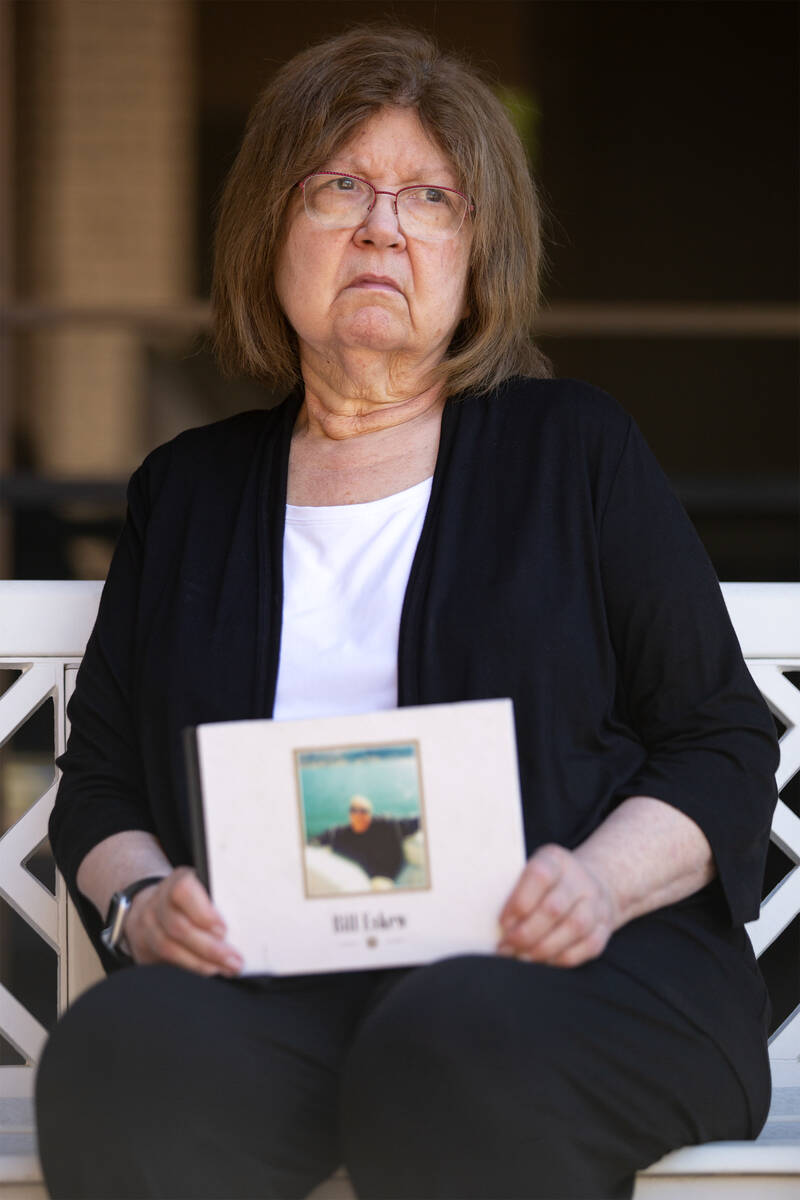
(426, 212)
(365, 811)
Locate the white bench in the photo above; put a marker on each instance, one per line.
(43, 631)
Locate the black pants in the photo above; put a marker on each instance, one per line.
(473, 1077)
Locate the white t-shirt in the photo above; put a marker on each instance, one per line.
(345, 571)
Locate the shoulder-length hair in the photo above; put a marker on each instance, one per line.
(311, 107)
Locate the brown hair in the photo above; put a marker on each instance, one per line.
(314, 103)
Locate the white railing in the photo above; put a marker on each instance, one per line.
(44, 628)
(766, 617)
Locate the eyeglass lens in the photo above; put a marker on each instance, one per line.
(343, 201)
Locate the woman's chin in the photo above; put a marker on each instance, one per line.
(373, 328)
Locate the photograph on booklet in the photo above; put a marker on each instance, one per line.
(362, 821)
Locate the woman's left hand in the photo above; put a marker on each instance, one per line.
(561, 912)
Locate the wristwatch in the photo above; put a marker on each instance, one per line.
(112, 935)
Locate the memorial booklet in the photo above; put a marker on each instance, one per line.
(341, 843)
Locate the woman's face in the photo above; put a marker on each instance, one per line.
(372, 291)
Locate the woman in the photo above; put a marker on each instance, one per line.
(426, 518)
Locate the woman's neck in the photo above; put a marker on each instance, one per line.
(329, 418)
(347, 450)
(337, 408)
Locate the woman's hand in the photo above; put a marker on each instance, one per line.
(567, 903)
(175, 922)
(561, 912)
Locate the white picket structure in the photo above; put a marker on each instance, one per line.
(43, 630)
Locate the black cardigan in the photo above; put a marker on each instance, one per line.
(554, 566)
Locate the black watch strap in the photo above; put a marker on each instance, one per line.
(111, 935)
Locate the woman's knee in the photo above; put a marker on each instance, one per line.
(114, 1042)
(463, 1083)
(517, 1072)
(465, 1015)
(473, 1056)
(160, 1082)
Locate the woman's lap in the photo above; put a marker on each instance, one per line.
(475, 1076)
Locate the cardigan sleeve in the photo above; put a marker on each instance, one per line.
(710, 739)
(102, 791)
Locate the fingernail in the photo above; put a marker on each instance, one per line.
(233, 962)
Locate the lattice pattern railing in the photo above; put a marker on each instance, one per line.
(18, 887)
(43, 629)
(782, 905)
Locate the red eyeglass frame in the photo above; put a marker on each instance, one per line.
(412, 187)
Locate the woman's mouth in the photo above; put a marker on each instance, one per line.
(375, 282)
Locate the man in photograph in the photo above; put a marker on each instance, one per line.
(374, 843)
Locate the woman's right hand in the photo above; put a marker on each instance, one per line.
(175, 922)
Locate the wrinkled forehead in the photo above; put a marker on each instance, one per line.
(393, 145)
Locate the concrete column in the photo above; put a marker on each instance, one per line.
(110, 175)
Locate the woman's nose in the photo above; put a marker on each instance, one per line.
(381, 226)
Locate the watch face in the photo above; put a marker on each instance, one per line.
(112, 934)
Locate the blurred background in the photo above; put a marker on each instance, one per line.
(664, 136)
(665, 140)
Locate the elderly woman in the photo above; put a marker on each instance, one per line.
(427, 517)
